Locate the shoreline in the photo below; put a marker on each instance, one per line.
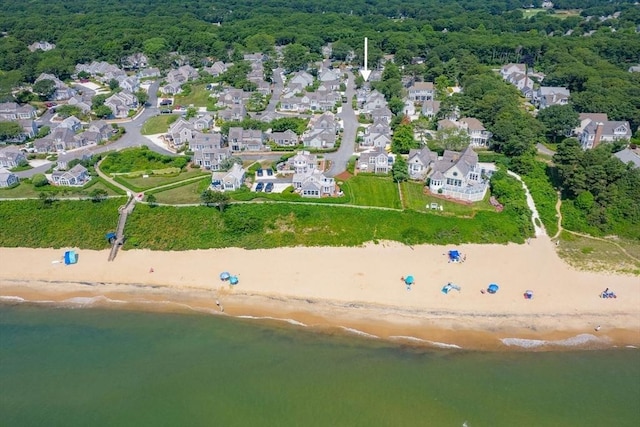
(359, 293)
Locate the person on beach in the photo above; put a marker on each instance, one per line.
(151, 270)
(597, 328)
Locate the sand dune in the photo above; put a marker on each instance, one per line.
(358, 288)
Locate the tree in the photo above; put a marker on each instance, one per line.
(402, 140)
(114, 84)
(102, 112)
(295, 57)
(97, 195)
(215, 198)
(152, 200)
(39, 180)
(65, 111)
(46, 198)
(44, 88)
(558, 120)
(399, 170)
(43, 131)
(10, 131)
(451, 139)
(84, 75)
(142, 97)
(191, 113)
(340, 50)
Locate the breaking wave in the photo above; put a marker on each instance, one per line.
(578, 340)
(423, 341)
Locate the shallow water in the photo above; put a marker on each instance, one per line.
(67, 367)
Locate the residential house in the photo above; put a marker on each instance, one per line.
(382, 113)
(81, 102)
(254, 57)
(11, 156)
(430, 108)
(149, 73)
(307, 179)
(211, 158)
(511, 68)
(315, 101)
(61, 139)
(13, 111)
(421, 91)
(376, 135)
(203, 122)
(77, 176)
(586, 118)
(597, 132)
(373, 101)
(64, 159)
(327, 75)
(29, 128)
(301, 78)
(217, 68)
(321, 131)
(202, 141)
(375, 161)
(460, 176)
(180, 132)
(171, 88)
(102, 128)
(246, 139)
(41, 45)
(100, 69)
(409, 108)
(522, 82)
(291, 104)
(547, 96)
(8, 179)
(629, 155)
(233, 97)
(131, 84)
(474, 127)
(287, 138)
(419, 162)
(72, 123)
(234, 113)
(228, 181)
(62, 91)
(121, 103)
(135, 61)
(182, 74)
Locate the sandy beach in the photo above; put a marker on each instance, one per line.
(354, 289)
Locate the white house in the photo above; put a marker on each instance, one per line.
(228, 181)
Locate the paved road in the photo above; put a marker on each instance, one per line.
(544, 150)
(340, 158)
(278, 86)
(132, 137)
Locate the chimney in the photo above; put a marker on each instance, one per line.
(596, 139)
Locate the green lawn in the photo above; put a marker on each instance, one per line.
(185, 194)
(158, 124)
(199, 97)
(367, 190)
(528, 13)
(142, 184)
(415, 198)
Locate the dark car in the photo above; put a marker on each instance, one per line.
(259, 187)
(259, 172)
(269, 172)
(269, 187)
(166, 102)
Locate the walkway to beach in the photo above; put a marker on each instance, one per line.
(535, 217)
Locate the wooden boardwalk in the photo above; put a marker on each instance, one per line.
(122, 221)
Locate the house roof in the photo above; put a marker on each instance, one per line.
(473, 123)
(629, 156)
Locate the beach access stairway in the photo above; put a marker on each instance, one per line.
(122, 221)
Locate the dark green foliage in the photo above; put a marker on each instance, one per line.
(399, 170)
(509, 192)
(537, 178)
(39, 180)
(558, 120)
(604, 193)
(60, 224)
(10, 131)
(402, 140)
(296, 124)
(44, 88)
(140, 159)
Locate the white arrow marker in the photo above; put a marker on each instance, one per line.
(366, 72)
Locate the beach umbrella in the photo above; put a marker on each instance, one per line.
(493, 288)
(233, 280)
(224, 275)
(408, 280)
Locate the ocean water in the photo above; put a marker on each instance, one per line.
(95, 367)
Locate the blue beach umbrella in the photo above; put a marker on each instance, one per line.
(493, 288)
(409, 280)
(233, 280)
(224, 275)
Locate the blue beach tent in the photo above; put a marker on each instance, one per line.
(409, 280)
(233, 280)
(224, 275)
(70, 257)
(454, 255)
(493, 288)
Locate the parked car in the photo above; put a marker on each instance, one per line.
(166, 102)
(269, 172)
(259, 172)
(269, 187)
(259, 187)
